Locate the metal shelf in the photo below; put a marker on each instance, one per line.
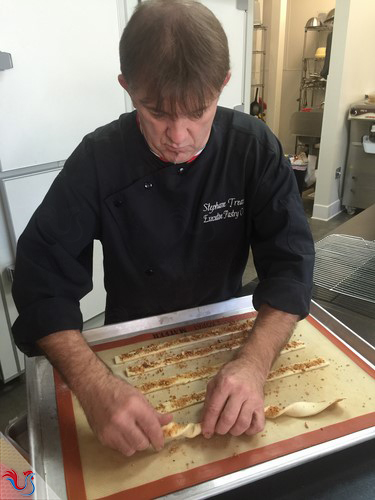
(318, 28)
(259, 53)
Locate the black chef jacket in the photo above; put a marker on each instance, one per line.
(173, 236)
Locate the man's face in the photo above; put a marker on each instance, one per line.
(174, 138)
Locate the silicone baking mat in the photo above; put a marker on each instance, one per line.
(93, 471)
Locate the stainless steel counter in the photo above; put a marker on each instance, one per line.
(45, 450)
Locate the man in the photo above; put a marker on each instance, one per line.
(176, 192)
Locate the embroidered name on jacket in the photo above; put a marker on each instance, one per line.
(232, 208)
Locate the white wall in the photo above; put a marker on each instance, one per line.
(232, 21)
(274, 17)
(352, 74)
(298, 12)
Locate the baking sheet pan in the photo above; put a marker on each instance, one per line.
(352, 436)
(107, 474)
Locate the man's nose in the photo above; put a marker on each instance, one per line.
(177, 132)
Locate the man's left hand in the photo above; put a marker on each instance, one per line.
(234, 400)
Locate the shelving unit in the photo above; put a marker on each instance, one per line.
(307, 125)
(259, 56)
(312, 87)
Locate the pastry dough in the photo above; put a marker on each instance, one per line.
(141, 352)
(218, 346)
(172, 359)
(300, 409)
(176, 431)
(305, 366)
(183, 378)
(180, 403)
(206, 372)
(175, 404)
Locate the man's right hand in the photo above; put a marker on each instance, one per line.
(122, 418)
(118, 413)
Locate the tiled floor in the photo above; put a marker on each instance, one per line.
(13, 394)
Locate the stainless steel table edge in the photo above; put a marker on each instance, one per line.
(348, 337)
(45, 446)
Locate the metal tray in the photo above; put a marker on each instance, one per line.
(45, 447)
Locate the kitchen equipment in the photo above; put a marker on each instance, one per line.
(313, 22)
(255, 106)
(330, 16)
(44, 433)
(325, 69)
(346, 265)
(362, 110)
(358, 190)
(369, 142)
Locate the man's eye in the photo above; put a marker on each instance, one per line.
(196, 115)
(157, 115)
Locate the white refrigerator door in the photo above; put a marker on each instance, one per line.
(63, 83)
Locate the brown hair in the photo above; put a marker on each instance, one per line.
(176, 51)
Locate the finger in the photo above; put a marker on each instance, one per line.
(149, 423)
(137, 439)
(207, 397)
(244, 419)
(119, 443)
(123, 447)
(257, 423)
(164, 418)
(213, 406)
(229, 415)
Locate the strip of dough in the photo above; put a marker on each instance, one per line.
(198, 397)
(300, 409)
(141, 352)
(218, 346)
(180, 403)
(305, 366)
(237, 341)
(175, 431)
(199, 374)
(183, 378)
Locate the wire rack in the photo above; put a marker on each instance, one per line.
(346, 264)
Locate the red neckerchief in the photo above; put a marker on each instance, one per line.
(160, 157)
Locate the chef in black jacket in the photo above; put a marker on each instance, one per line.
(176, 192)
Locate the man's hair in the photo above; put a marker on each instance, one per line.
(176, 51)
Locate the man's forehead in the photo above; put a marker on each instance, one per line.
(172, 106)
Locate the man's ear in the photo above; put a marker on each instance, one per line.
(226, 80)
(123, 82)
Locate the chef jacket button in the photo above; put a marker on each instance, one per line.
(181, 170)
(149, 272)
(148, 185)
(118, 203)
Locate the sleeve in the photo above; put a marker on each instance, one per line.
(54, 255)
(282, 244)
